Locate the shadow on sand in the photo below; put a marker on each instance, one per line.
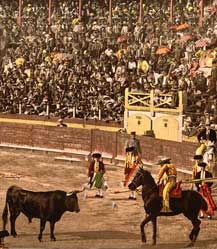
(102, 235)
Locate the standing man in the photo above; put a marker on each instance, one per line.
(205, 136)
(197, 159)
(61, 123)
(133, 158)
(134, 142)
(171, 173)
(205, 188)
(96, 171)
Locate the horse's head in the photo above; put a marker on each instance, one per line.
(139, 179)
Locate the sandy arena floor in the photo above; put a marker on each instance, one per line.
(98, 225)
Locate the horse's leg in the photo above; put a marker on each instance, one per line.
(142, 227)
(195, 231)
(154, 224)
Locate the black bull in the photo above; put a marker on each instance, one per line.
(46, 206)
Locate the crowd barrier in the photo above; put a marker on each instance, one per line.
(86, 141)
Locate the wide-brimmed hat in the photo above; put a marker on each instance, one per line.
(96, 155)
(198, 157)
(164, 160)
(202, 165)
(130, 149)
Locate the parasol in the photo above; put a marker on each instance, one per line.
(201, 43)
(182, 26)
(122, 38)
(185, 38)
(163, 50)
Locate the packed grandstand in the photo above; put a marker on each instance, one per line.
(78, 66)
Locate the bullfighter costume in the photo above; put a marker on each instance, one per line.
(96, 171)
(171, 173)
(133, 157)
(205, 137)
(197, 159)
(205, 189)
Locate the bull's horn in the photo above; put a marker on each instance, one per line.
(79, 191)
(69, 193)
(75, 192)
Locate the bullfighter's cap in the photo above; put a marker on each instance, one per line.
(203, 164)
(164, 160)
(198, 157)
(96, 155)
(130, 149)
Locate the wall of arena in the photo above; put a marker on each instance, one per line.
(91, 140)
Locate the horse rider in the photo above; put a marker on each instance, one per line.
(170, 170)
(206, 137)
(96, 171)
(205, 188)
(133, 158)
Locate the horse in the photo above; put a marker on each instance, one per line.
(190, 204)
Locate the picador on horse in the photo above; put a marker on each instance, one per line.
(170, 172)
(187, 202)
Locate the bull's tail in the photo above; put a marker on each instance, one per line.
(5, 214)
(5, 211)
(11, 190)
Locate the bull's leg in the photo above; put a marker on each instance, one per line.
(154, 224)
(52, 237)
(142, 228)
(13, 216)
(42, 226)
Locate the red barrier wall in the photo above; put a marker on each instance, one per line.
(95, 140)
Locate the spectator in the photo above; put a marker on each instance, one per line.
(61, 123)
(72, 63)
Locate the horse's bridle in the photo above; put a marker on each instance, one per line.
(133, 183)
(150, 190)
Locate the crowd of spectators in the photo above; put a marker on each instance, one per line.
(81, 67)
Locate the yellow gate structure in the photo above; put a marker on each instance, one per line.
(158, 114)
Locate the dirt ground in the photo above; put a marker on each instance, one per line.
(98, 225)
